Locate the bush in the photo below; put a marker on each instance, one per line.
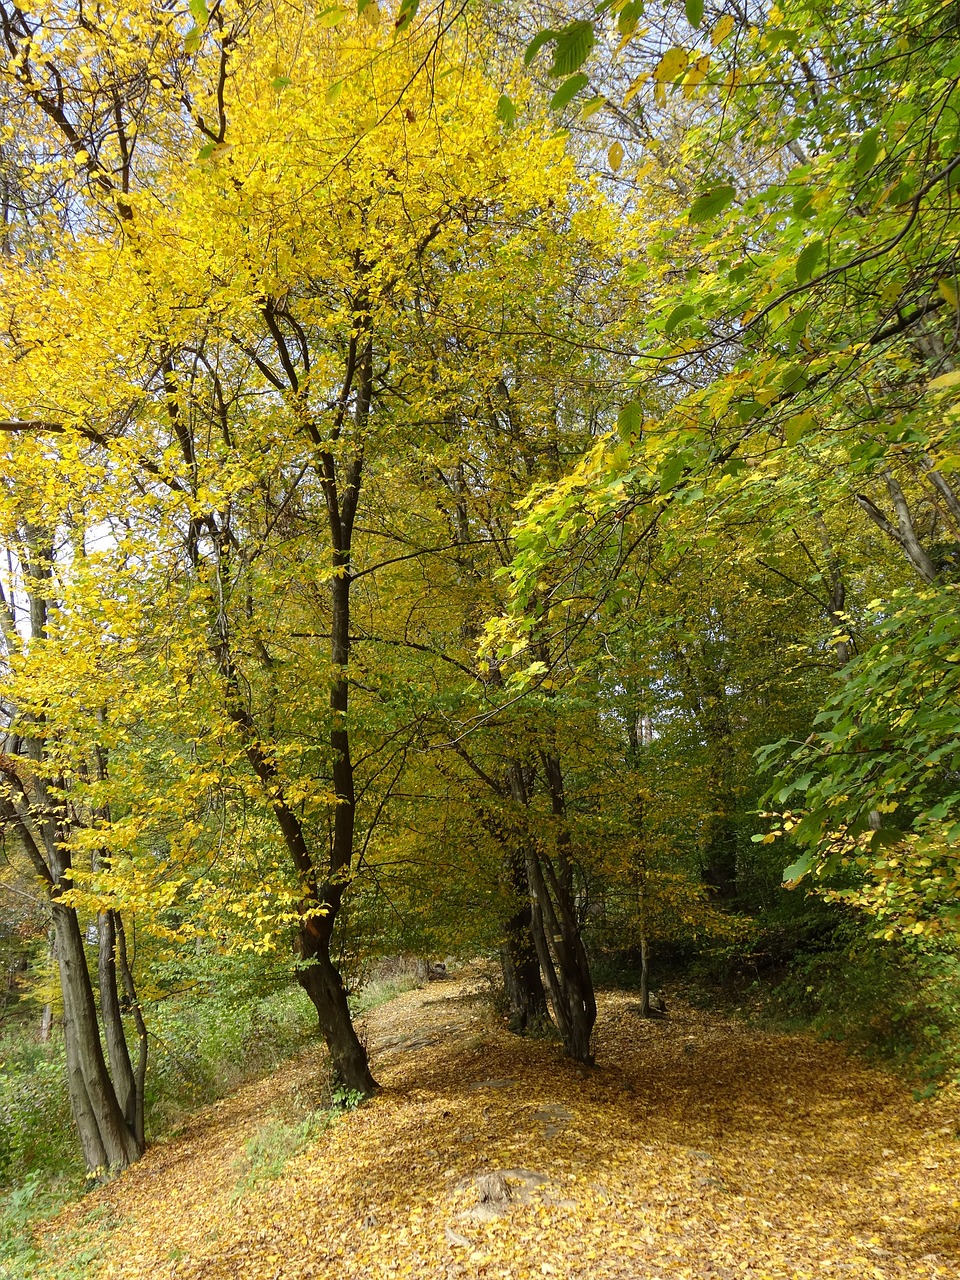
(203, 1049)
(36, 1129)
(890, 1000)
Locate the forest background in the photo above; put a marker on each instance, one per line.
(477, 480)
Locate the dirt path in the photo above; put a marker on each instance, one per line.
(698, 1148)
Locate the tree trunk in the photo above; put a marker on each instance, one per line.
(133, 1003)
(644, 977)
(522, 981)
(719, 828)
(320, 978)
(121, 1069)
(108, 1141)
(554, 925)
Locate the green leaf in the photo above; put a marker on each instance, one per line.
(803, 203)
(709, 204)
(630, 420)
(797, 870)
(506, 111)
(280, 82)
(406, 13)
(867, 150)
(792, 380)
(568, 90)
(807, 260)
(537, 43)
(694, 12)
(198, 8)
(191, 41)
(677, 315)
(574, 43)
(671, 473)
(795, 428)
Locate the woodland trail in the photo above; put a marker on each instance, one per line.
(697, 1148)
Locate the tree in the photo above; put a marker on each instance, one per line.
(44, 812)
(264, 399)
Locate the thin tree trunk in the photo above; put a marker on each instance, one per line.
(554, 925)
(121, 1069)
(133, 1003)
(644, 977)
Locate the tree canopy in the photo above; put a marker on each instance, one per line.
(474, 494)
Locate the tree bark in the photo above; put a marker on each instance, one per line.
(108, 1141)
(320, 979)
(522, 981)
(121, 1068)
(554, 925)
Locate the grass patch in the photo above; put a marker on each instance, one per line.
(381, 991)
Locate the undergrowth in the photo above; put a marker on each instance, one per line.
(200, 1050)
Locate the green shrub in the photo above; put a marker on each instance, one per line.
(203, 1048)
(893, 1001)
(36, 1129)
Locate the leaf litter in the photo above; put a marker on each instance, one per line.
(698, 1149)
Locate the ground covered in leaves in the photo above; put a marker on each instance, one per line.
(697, 1148)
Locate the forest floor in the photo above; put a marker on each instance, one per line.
(698, 1147)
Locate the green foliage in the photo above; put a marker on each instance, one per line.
(274, 1144)
(36, 1129)
(203, 1046)
(894, 1002)
(874, 792)
(378, 991)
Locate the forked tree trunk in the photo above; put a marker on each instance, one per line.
(109, 1142)
(562, 959)
(121, 1068)
(644, 977)
(522, 981)
(554, 924)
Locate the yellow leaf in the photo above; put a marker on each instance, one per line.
(631, 33)
(948, 290)
(635, 87)
(945, 380)
(673, 63)
(615, 156)
(696, 75)
(333, 16)
(722, 30)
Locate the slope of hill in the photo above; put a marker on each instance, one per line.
(697, 1148)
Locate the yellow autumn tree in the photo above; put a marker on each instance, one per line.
(219, 351)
